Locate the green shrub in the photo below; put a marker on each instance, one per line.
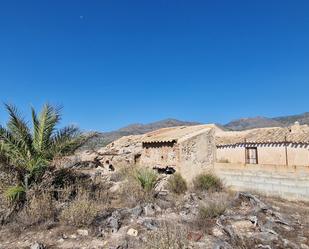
(15, 193)
(208, 182)
(147, 178)
(177, 184)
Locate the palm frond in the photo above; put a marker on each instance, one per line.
(15, 193)
(13, 149)
(19, 129)
(45, 126)
(66, 140)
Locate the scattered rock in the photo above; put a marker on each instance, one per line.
(82, 232)
(150, 224)
(73, 236)
(136, 211)
(150, 209)
(217, 232)
(37, 245)
(113, 221)
(195, 236)
(132, 232)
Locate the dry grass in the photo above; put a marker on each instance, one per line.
(177, 184)
(207, 182)
(169, 236)
(212, 209)
(39, 208)
(132, 194)
(138, 186)
(80, 212)
(214, 206)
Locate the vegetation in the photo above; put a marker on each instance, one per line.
(14, 193)
(28, 150)
(212, 209)
(169, 236)
(147, 178)
(177, 184)
(81, 212)
(207, 182)
(39, 208)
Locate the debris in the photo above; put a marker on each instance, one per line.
(82, 232)
(37, 245)
(132, 232)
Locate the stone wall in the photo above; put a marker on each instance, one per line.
(197, 154)
(160, 155)
(290, 182)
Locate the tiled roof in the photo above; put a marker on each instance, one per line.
(175, 133)
(263, 135)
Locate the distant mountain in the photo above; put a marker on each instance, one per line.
(250, 123)
(289, 120)
(103, 138)
(260, 122)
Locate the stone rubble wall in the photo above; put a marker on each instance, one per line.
(197, 155)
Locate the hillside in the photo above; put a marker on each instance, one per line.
(250, 123)
(260, 122)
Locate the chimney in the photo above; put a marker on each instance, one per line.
(295, 127)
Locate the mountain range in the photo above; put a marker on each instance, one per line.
(100, 139)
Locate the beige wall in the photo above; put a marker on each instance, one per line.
(271, 154)
(290, 182)
(196, 155)
(160, 156)
(298, 155)
(231, 154)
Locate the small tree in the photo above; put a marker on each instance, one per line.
(28, 150)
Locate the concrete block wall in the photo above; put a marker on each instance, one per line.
(289, 182)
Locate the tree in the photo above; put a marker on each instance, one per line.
(28, 150)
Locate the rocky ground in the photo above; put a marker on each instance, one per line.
(166, 220)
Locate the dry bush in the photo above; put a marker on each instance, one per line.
(126, 171)
(81, 211)
(138, 186)
(132, 194)
(169, 236)
(211, 209)
(214, 206)
(39, 208)
(207, 182)
(177, 184)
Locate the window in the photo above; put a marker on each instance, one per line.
(251, 155)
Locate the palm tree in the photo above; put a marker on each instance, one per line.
(29, 150)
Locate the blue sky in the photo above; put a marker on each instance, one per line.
(112, 63)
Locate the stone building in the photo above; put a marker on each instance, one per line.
(266, 146)
(189, 150)
(274, 161)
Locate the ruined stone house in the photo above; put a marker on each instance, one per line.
(187, 149)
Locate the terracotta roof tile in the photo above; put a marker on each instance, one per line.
(174, 133)
(264, 135)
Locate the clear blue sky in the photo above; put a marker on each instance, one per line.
(112, 63)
